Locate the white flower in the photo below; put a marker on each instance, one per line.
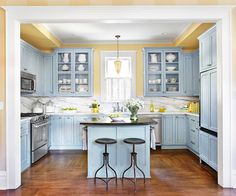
(134, 103)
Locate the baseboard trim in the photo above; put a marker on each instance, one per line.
(3, 180)
(233, 179)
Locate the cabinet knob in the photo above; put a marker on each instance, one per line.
(25, 69)
(193, 142)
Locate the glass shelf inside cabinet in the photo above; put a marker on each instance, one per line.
(172, 82)
(64, 62)
(172, 61)
(81, 83)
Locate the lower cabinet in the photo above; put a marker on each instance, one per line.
(65, 132)
(173, 130)
(193, 134)
(208, 149)
(25, 145)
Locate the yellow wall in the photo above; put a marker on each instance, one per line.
(125, 47)
(2, 88)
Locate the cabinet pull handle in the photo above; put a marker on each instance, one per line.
(192, 142)
(192, 120)
(209, 65)
(25, 69)
(192, 130)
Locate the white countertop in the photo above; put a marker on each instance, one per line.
(23, 119)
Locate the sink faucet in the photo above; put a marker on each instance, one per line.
(118, 108)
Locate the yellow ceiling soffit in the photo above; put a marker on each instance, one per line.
(38, 36)
(188, 39)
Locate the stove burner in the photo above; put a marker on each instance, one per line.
(30, 114)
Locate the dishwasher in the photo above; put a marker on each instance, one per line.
(157, 130)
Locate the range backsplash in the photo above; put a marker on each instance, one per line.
(171, 103)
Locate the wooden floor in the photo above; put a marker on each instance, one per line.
(174, 172)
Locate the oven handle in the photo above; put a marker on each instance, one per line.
(40, 125)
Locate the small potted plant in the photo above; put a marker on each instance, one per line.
(133, 106)
(95, 107)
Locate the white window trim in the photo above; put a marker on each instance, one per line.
(130, 53)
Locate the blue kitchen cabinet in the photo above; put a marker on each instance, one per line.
(48, 75)
(193, 131)
(188, 74)
(162, 75)
(180, 130)
(56, 131)
(191, 76)
(174, 131)
(196, 74)
(209, 100)
(167, 130)
(25, 145)
(73, 71)
(32, 62)
(208, 149)
(207, 50)
(66, 132)
(213, 151)
(204, 146)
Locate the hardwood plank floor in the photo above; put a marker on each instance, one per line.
(174, 172)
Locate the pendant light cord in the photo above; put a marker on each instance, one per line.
(117, 36)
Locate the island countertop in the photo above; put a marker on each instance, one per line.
(108, 122)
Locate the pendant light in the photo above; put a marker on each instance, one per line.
(117, 61)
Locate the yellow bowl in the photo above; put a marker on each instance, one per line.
(162, 109)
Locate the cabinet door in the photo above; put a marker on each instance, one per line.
(205, 54)
(78, 132)
(188, 74)
(68, 130)
(56, 130)
(213, 100)
(213, 49)
(213, 151)
(25, 146)
(48, 75)
(205, 100)
(196, 74)
(180, 130)
(204, 146)
(167, 130)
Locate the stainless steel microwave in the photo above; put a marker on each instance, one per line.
(28, 82)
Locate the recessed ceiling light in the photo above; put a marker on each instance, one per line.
(116, 21)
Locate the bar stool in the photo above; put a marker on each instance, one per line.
(105, 164)
(133, 141)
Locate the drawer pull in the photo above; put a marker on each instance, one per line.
(192, 130)
(192, 142)
(193, 120)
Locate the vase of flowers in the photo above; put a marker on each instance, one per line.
(133, 106)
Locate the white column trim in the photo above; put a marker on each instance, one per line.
(3, 180)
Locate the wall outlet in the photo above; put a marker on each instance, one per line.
(1, 105)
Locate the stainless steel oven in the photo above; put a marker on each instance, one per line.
(39, 137)
(28, 82)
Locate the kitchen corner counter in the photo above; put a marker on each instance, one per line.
(23, 119)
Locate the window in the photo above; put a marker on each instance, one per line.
(118, 87)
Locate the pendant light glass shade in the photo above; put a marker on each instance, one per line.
(117, 61)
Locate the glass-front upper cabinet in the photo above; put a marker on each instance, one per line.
(162, 71)
(172, 76)
(73, 72)
(154, 72)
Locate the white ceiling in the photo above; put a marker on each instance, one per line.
(132, 32)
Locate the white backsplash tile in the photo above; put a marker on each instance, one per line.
(83, 103)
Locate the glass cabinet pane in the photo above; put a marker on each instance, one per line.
(81, 62)
(172, 61)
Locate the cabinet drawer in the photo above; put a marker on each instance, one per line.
(194, 143)
(194, 120)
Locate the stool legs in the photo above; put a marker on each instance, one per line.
(134, 165)
(106, 165)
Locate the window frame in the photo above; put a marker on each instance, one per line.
(107, 54)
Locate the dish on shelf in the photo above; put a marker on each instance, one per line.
(173, 80)
(81, 67)
(171, 68)
(172, 88)
(154, 68)
(82, 58)
(65, 88)
(170, 57)
(65, 67)
(82, 89)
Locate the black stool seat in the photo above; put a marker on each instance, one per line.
(105, 141)
(134, 141)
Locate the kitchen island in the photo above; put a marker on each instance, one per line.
(119, 153)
